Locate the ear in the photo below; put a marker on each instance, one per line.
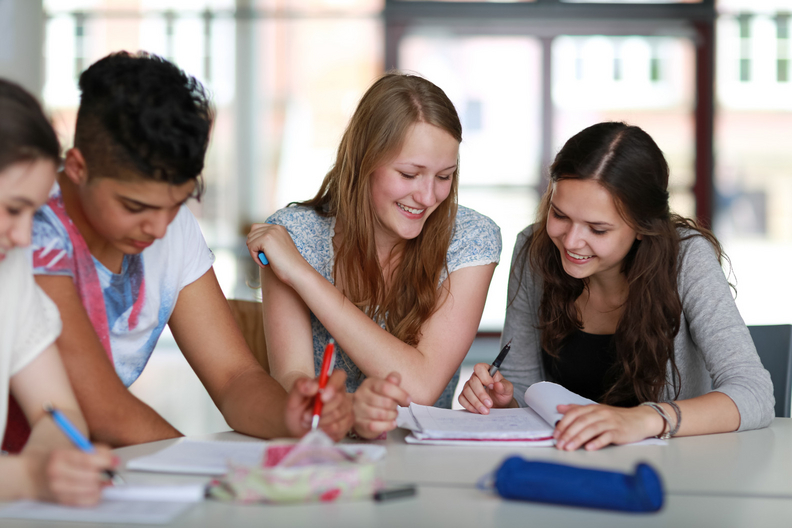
(75, 168)
(639, 236)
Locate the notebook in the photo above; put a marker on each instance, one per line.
(527, 426)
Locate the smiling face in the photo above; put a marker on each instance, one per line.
(24, 187)
(408, 188)
(587, 229)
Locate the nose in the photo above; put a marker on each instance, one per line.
(157, 224)
(20, 233)
(573, 238)
(424, 193)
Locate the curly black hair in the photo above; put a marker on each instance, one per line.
(141, 112)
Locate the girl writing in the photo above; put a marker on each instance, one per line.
(620, 300)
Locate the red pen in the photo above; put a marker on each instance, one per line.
(328, 361)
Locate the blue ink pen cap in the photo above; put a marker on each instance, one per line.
(263, 258)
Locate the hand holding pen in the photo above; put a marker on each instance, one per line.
(325, 403)
(79, 440)
(487, 388)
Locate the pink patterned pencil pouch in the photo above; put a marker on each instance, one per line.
(309, 471)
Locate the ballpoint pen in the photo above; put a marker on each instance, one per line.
(77, 438)
(498, 360)
(328, 361)
(263, 258)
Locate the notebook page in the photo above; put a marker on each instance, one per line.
(543, 397)
(200, 457)
(172, 493)
(500, 424)
(105, 512)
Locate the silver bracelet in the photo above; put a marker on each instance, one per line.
(678, 413)
(664, 435)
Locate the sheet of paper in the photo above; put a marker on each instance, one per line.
(200, 457)
(136, 492)
(543, 397)
(133, 512)
(411, 439)
(500, 424)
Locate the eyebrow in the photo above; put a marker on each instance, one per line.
(604, 224)
(419, 166)
(148, 206)
(24, 201)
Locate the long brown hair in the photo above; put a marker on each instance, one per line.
(629, 164)
(375, 135)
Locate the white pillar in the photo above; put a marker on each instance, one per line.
(22, 43)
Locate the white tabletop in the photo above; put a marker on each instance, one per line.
(735, 479)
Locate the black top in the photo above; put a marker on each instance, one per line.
(586, 365)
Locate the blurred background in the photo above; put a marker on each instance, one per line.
(710, 80)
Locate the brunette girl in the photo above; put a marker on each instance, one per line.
(618, 299)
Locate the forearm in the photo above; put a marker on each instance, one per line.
(710, 413)
(375, 351)
(16, 483)
(122, 419)
(254, 403)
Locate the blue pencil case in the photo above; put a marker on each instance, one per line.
(553, 483)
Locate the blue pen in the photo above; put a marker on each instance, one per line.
(77, 438)
(263, 258)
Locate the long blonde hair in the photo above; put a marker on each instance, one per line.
(375, 135)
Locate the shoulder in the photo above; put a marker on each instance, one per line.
(299, 219)
(476, 240)
(312, 234)
(524, 237)
(53, 249)
(695, 251)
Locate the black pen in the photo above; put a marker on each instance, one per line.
(498, 360)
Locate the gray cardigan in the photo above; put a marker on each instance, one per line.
(713, 349)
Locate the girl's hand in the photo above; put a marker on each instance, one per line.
(278, 246)
(336, 418)
(375, 405)
(596, 426)
(483, 392)
(69, 476)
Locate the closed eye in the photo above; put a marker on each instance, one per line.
(408, 176)
(558, 215)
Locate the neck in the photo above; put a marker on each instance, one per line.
(611, 288)
(99, 247)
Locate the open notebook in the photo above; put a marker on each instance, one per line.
(527, 426)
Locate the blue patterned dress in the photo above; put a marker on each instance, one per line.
(476, 242)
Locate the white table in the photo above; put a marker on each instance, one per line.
(735, 479)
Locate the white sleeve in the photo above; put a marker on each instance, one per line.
(38, 319)
(196, 256)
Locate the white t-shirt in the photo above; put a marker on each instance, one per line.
(29, 321)
(128, 310)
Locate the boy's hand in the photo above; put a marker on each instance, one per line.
(336, 418)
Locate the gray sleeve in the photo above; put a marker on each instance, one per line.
(523, 365)
(720, 335)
